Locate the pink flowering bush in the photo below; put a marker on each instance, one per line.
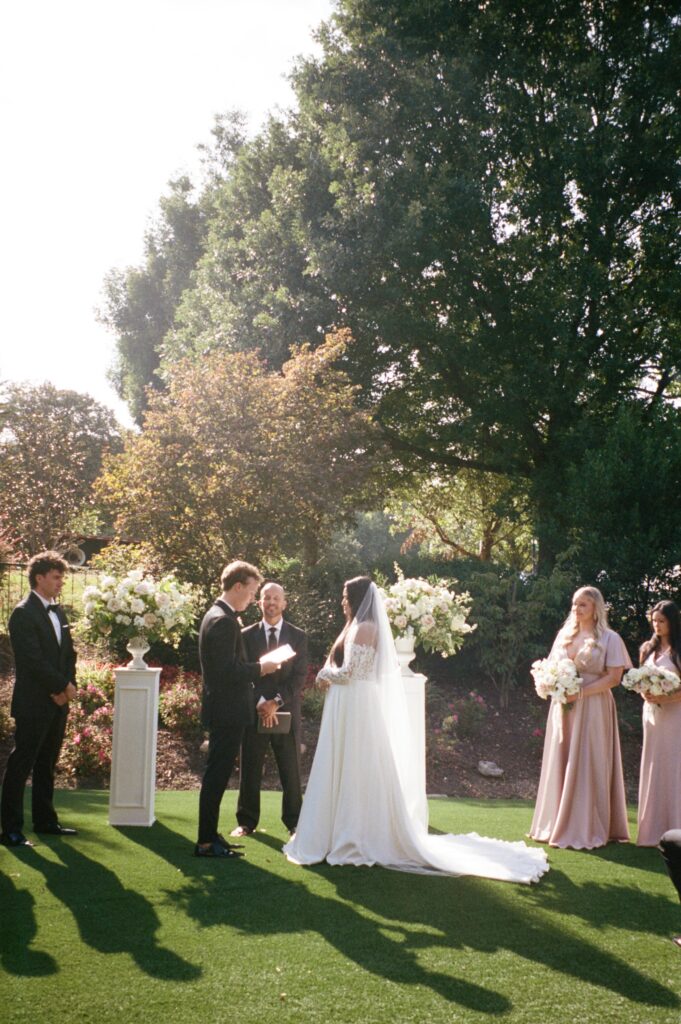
(179, 704)
(86, 751)
(467, 716)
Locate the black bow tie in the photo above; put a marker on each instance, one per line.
(52, 608)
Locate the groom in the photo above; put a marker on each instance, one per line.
(228, 704)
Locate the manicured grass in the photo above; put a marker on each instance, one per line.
(125, 925)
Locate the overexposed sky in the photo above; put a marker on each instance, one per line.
(101, 103)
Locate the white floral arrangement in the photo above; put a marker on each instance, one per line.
(138, 606)
(429, 611)
(651, 681)
(556, 678)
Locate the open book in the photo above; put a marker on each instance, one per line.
(278, 655)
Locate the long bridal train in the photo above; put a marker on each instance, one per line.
(365, 803)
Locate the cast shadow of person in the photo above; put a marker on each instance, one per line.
(103, 908)
(19, 929)
(469, 913)
(253, 900)
(603, 905)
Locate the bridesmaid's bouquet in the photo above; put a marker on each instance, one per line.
(651, 681)
(556, 678)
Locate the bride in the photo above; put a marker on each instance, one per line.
(365, 803)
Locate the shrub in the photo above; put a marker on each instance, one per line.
(87, 744)
(5, 723)
(179, 705)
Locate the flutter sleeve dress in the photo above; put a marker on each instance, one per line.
(581, 801)
(659, 791)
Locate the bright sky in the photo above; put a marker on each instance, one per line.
(101, 103)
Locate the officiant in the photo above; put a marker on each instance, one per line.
(274, 694)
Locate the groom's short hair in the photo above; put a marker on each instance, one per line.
(239, 572)
(44, 562)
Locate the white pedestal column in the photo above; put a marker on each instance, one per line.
(415, 694)
(133, 758)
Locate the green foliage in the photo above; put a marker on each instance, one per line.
(140, 302)
(466, 515)
(5, 723)
(52, 444)
(312, 703)
(253, 463)
(86, 752)
(624, 502)
(179, 705)
(517, 617)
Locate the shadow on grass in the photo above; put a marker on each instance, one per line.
(418, 913)
(487, 922)
(242, 895)
(18, 930)
(110, 918)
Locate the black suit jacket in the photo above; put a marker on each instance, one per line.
(43, 665)
(289, 680)
(228, 677)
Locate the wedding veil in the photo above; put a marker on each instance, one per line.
(372, 627)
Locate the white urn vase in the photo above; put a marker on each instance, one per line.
(404, 645)
(138, 647)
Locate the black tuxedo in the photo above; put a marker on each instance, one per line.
(43, 667)
(227, 706)
(288, 683)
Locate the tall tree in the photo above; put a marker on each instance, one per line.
(140, 302)
(236, 460)
(52, 444)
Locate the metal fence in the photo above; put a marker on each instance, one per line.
(14, 585)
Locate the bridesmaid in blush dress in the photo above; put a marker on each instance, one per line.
(581, 801)
(659, 792)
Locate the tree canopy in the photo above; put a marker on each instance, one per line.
(52, 443)
(236, 460)
(487, 196)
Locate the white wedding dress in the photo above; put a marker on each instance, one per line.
(364, 803)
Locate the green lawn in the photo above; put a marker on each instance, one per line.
(125, 925)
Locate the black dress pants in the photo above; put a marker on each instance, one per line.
(37, 743)
(223, 748)
(254, 748)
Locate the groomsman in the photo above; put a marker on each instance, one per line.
(45, 663)
(228, 703)
(279, 692)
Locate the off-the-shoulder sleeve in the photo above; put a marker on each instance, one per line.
(616, 654)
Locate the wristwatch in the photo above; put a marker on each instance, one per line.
(279, 701)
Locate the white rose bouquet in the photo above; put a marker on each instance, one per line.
(651, 681)
(138, 606)
(556, 678)
(429, 611)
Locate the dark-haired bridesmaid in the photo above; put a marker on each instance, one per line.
(659, 792)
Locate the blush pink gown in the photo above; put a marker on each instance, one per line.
(581, 801)
(659, 790)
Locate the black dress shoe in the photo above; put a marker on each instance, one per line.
(14, 839)
(215, 849)
(228, 846)
(56, 830)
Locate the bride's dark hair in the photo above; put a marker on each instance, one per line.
(673, 617)
(355, 591)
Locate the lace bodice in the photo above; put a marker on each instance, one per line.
(358, 663)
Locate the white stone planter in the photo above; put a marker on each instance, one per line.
(133, 758)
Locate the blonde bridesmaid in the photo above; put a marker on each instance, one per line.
(659, 791)
(581, 801)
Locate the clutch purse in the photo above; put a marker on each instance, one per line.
(283, 725)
